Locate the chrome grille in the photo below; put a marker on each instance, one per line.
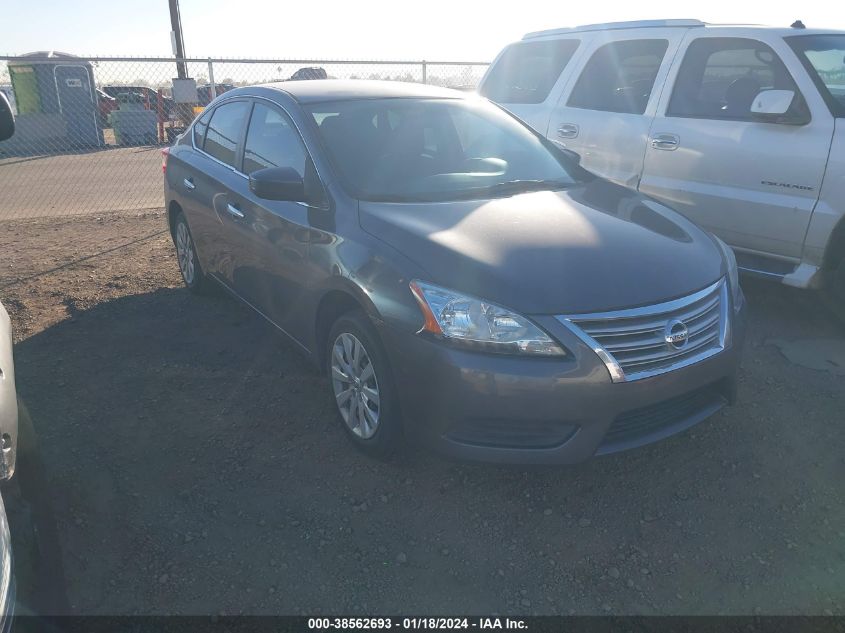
(634, 343)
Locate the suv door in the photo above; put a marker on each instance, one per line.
(605, 114)
(525, 78)
(753, 183)
(271, 236)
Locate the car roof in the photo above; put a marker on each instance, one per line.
(681, 24)
(316, 90)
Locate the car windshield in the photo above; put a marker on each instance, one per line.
(824, 57)
(408, 150)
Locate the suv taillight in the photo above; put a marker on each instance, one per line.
(164, 154)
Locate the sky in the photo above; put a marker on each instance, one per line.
(360, 29)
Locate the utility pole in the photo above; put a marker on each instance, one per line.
(176, 39)
(183, 106)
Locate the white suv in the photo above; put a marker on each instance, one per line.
(741, 128)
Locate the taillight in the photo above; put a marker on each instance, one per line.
(164, 154)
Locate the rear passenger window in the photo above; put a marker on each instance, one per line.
(200, 127)
(527, 71)
(272, 141)
(720, 77)
(619, 77)
(224, 131)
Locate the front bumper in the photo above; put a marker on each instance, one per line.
(509, 409)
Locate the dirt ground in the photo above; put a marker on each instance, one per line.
(195, 467)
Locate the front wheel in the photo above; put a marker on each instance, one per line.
(362, 386)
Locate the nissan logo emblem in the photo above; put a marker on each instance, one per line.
(676, 334)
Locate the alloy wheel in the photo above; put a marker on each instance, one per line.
(355, 385)
(185, 252)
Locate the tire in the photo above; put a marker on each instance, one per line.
(186, 256)
(35, 536)
(836, 285)
(366, 405)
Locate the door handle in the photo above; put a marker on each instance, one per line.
(568, 130)
(234, 211)
(189, 183)
(666, 142)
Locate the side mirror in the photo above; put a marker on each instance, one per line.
(278, 183)
(772, 102)
(7, 119)
(778, 106)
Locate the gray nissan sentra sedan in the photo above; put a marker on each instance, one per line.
(460, 279)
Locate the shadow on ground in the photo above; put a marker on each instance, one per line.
(196, 466)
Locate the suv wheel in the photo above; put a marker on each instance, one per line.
(362, 386)
(186, 255)
(836, 284)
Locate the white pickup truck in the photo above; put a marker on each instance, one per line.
(740, 128)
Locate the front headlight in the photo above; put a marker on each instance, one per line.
(480, 324)
(733, 272)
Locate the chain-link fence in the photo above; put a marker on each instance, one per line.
(88, 129)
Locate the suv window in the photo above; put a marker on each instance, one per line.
(619, 77)
(272, 141)
(224, 131)
(527, 71)
(720, 77)
(824, 58)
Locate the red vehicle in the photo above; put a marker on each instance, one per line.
(145, 95)
(205, 96)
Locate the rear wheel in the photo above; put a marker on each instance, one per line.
(362, 386)
(186, 254)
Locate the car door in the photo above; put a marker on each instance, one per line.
(604, 115)
(271, 236)
(753, 183)
(205, 183)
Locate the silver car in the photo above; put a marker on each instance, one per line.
(8, 423)
(8, 449)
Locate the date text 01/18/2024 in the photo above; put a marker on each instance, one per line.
(410, 623)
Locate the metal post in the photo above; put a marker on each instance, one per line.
(160, 114)
(425, 73)
(211, 79)
(177, 39)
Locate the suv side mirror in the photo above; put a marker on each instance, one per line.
(7, 119)
(779, 106)
(278, 183)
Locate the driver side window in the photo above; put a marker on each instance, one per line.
(720, 77)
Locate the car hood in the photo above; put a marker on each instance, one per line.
(594, 247)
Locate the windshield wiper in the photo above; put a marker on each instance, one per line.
(513, 187)
(507, 188)
(396, 198)
(517, 186)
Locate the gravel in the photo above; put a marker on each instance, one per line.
(196, 467)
